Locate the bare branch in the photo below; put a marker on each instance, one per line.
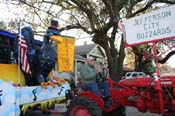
(162, 61)
(166, 1)
(32, 6)
(88, 12)
(50, 2)
(107, 26)
(31, 23)
(40, 18)
(77, 20)
(40, 32)
(148, 5)
(107, 5)
(75, 26)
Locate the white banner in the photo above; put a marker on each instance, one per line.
(153, 26)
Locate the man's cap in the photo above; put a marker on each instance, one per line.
(54, 24)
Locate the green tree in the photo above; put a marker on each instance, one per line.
(98, 18)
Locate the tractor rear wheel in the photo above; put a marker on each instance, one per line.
(83, 106)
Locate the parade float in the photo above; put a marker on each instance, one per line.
(27, 69)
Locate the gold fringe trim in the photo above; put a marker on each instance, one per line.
(43, 104)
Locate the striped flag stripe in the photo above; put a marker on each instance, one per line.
(23, 55)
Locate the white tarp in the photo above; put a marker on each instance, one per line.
(153, 26)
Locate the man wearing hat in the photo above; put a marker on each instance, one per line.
(47, 55)
(52, 30)
(89, 75)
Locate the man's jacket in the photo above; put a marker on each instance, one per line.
(88, 74)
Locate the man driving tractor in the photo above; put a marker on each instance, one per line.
(89, 75)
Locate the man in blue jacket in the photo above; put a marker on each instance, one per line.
(89, 75)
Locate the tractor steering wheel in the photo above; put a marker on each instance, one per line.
(102, 75)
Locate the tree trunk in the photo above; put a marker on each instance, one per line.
(115, 59)
(139, 63)
(121, 58)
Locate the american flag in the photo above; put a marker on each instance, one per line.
(23, 55)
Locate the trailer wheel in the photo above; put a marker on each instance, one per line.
(83, 107)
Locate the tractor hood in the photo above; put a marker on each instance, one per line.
(136, 82)
(167, 80)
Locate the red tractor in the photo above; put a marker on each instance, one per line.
(144, 93)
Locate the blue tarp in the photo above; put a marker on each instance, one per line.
(13, 36)
(8, 34)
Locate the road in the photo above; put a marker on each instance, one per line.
(129, 112)
(36, 113)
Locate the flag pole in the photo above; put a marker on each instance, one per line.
(19, 49)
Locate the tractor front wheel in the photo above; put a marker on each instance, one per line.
(83, 106)
(120, 111)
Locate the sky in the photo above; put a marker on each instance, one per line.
(171, 61)
(8, 13)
